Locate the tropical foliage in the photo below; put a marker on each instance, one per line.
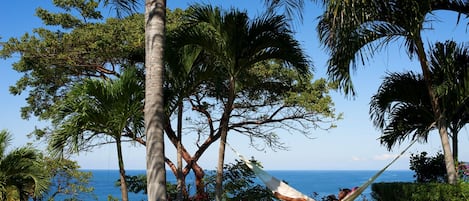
(428, 168)
(403, 112)
(58, 67)
(54, 59)
(261, 77)
(22, 172)
(352, 31)
(103, 111)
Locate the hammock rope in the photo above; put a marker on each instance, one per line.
(279, 187)
(352, 196)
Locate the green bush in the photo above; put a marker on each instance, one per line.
(428, 169)
(400, 191)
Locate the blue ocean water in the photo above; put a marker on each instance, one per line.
(322, 182)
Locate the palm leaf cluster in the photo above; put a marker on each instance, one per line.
(98, 112)
(21, 171)
(401, 108)
(94, 108)
(352, 31)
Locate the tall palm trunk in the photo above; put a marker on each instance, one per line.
(440, 120)
(155, 19)
(454, 139)
(124, 192)
(223, 139)
(180, 176)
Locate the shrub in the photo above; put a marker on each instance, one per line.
(427, 168)
(400, 191)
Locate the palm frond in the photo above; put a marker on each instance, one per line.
(123, 6)
(5, 140)
(349, 29)
(98, 108)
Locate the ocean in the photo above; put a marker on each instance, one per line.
(322, 182)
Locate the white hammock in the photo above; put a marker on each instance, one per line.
(279, 187)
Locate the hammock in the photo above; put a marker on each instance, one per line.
(285, 192)
(279, 188)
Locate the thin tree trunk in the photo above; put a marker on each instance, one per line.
(199, 180)
(124, 193)
(454, 139)
(223, 139)
(155, 17)
(439, 118)
(190, 160)
(449, 160)
(180, 179)
(221, 161)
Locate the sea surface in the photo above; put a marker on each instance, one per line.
(310, 182)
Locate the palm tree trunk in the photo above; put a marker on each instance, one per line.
(155, 19)
(124, 193)
(223, 139)
(440, 121)
(180, 179)
(454, 139)
(221, 161)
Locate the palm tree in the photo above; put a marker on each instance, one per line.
(97, 110)
(354, 30)
(155, 24)
(238, 44)
(184, 73)
(403, 112)
(449, 64)
(21, 172)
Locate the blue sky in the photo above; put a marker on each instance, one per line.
(353, 145)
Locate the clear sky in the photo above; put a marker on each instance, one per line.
(353, 145)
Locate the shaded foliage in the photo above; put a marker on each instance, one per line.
(22, 172)
(401, 191)
(428, 168)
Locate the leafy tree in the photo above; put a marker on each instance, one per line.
(353, 30)
(67, 181)
(428, 169)
(22, 175)
(52, 60)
